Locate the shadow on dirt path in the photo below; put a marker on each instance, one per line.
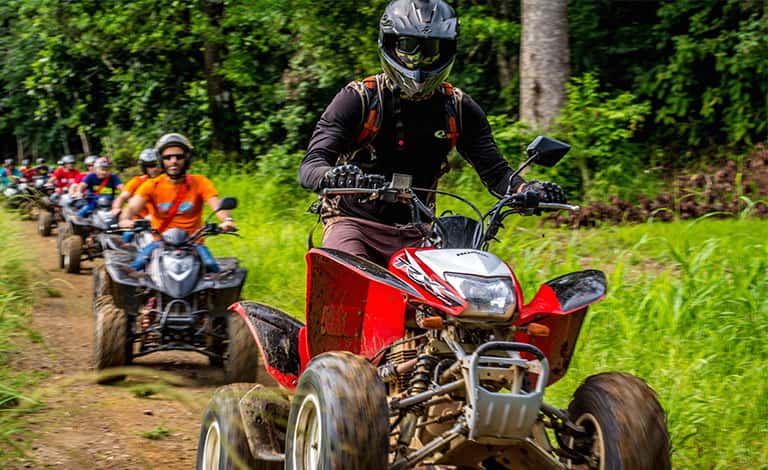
(85, 425)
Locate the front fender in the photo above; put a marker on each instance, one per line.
(566, 294)
(561, 305)
(277, 335)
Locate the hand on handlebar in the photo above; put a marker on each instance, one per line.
(227, 226)
(350, 176)
(546, 191)
(126, 223)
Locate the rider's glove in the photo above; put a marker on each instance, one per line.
(548, 192)
(350, 176)
(343, 176)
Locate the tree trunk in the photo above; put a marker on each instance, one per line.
(544, 61)
(85, 143)
(19, 149)
(224, 121)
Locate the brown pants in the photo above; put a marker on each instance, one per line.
(371, 240)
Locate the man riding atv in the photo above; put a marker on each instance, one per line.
(66, 175)
(150, 168)
(406, 120)
(175, 199)
(9, 173)
(101, 182)
(41, 169)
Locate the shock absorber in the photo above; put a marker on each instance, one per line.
(419, 383)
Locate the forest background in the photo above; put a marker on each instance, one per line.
(657, 89)
(656, 85)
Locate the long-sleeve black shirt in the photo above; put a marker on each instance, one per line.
(422, 156)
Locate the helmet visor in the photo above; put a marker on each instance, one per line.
(422, 53)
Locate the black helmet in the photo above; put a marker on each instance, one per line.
(67, 159)
(417, 44)
(175, 140)
(148, 157)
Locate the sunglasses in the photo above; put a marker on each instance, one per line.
(176, 156)
(149, 165)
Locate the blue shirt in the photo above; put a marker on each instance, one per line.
(93, 182)
(6, 175)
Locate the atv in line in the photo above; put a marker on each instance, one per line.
(173, 305)
(50, 212)
(434, 361)
(78, 238)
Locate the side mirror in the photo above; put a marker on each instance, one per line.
(227, 204)
(546, 151)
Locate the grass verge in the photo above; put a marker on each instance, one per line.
(15, 298)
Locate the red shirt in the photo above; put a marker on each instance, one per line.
(66, 178)
(27, 172)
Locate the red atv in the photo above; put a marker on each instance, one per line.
(433, 362)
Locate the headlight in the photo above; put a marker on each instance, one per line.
(485, 295)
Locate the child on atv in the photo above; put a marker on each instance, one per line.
(101, 182)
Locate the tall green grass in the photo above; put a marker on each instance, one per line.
(15, 297)
(686, 310)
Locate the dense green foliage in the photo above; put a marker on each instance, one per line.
(686, 308)
(121, 72)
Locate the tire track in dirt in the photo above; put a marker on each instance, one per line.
(85, 425)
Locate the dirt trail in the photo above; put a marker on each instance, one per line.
(85, 425)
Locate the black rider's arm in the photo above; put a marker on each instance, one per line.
(477, 146)
(334, 135)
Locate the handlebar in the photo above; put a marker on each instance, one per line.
(527, 203)
(556, 206)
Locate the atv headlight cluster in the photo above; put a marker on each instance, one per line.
(485, 295)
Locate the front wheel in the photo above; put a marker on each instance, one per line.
(242, 362)
(44, 223)
(223, 444)
(112, 344)
(72, 249)
(627, 424)
(338, 416)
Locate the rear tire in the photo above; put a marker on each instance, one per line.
(339, 416)
(72, 249)
(44, 223)
(628, 424)
(223, 444)
(242, 362)
(111, 344)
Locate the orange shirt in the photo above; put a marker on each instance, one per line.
(131, 187)
(160, 193)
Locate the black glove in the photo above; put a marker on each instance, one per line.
(350, 176)
(343, 176)
(548, 192)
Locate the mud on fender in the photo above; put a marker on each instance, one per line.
(277, 334)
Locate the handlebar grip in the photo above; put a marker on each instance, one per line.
(526, 200)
